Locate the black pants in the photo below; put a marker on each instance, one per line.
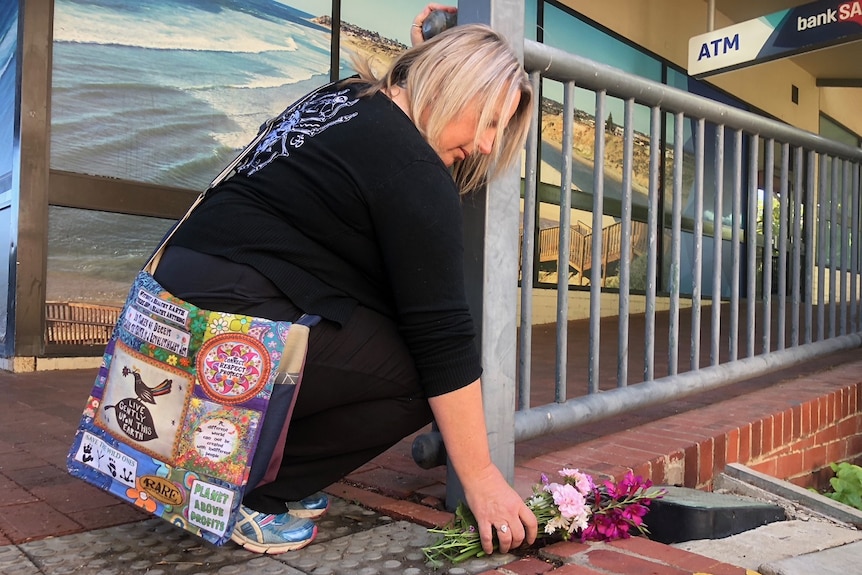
(360, 391)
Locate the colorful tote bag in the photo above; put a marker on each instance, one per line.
(176, 423)
(190, 407)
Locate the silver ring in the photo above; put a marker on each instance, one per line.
(417, 25)
(504, 528)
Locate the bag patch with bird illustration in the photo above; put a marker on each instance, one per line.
(176, 414)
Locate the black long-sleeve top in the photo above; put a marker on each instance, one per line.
(345, 203)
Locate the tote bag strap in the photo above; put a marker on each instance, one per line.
(153, 262)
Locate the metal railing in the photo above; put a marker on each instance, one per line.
(73, 323)
(806, 299)
(820, 167)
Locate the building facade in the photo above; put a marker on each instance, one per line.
(114, 117)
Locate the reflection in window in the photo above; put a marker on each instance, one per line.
(563, 29)
(94, 256)
(714, 225)
(378, 30)
(581, 218)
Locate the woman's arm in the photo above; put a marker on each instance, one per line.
(460, 416)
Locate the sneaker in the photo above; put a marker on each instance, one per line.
(312, 507)
(272, 534)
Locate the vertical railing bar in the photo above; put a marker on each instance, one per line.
(652, 242)
(528, 253)
(697, 263)
(821, 249)
(809, 245)
(751, 244)
(735, 233)
(675, 243)
(796, 247)
(718, 239)
(845, 244)
(596, 269)
(834, 248)
(783, 229)
(766, 282)
(626, 245)
(564, 249)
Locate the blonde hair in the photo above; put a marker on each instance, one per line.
(464, 66)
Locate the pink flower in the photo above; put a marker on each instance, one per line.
(582, 481)
(606, 527)
(568, 500)
(628, 486)
(634, 513)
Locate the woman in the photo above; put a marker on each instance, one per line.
(350, 209)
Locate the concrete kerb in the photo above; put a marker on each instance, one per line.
(811, 500)
(819, 531)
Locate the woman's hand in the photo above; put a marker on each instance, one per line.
(495, 505)
(416, 27)
(499, 509)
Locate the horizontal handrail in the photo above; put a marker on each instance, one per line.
(563, 66)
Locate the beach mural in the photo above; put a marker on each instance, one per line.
(167, 92)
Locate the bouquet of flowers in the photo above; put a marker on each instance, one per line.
(576, 506)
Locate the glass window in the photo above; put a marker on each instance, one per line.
(167, 93)
(566, 32)
(376, 29)
(8, 67)
(835, 131)
(5, 230)
(94, 256)
(531, 15)
(714, 225)
(8, 88)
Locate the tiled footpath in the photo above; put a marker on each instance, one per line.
(51, 523)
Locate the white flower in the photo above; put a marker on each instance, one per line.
(554, 524)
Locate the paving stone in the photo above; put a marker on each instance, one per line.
(33, 520)
(352, 540)
(14, 562)
(836, 561)
(389, 549)
(774, 543)
(153, 546)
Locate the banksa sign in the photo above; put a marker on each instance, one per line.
(777, 35)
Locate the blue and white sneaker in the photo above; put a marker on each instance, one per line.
(312, 507)
(272, 534)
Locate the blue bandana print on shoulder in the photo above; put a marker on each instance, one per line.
(300, 121)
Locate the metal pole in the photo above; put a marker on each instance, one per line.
(596, 272)
(717, 241)
(565, 235)
(528, 253)
(625, 246)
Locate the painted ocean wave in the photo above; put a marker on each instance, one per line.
(251, 26)
(164, 92)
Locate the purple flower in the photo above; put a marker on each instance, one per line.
(607, 526)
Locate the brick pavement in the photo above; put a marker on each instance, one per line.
(39, 412)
